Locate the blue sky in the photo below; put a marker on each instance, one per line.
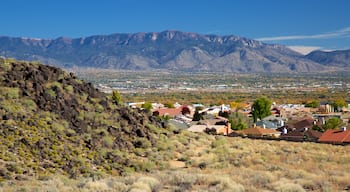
(323, 24)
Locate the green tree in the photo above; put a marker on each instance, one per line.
(197, 116)
(261, 108)
(313, 104)
(169, 105)
(332, 123)
(117, 98)
(339, 103)
(238, 121)
(147, 106)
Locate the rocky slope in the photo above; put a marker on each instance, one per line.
(167, 50)
(339, 59)
(52, 122)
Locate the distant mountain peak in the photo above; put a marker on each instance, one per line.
(165, 50)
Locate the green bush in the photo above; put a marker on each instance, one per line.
(29, 104)
(10, 92)
(218, 142)
(69, 89)
(108, 141)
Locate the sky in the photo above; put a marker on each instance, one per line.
(300, 24)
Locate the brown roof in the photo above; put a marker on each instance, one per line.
(301, 134)
(335, 136)
(304, 123)
(258, 131)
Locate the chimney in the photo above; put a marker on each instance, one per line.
(305, 128)
(264, 126)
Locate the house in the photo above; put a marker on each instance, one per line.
(266, 124)
(217, 125)
(304, 134)
(305, 123)
(217, 129)
(259, 132)
(279, 121)
(172, 112)
(340, 136)
(217, 120)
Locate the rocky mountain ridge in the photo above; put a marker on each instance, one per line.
(339, 58)
(167, 50)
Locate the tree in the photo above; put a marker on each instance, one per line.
(147, 106)
(261, 108)
(238, 121)
(185, 110)
(332, 123)
(169, 105)
(339, 103)
(117, 98)
(313, 104)
(236, 105)
(197, 116)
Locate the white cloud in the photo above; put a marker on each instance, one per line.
(304, 49)
(328, 35)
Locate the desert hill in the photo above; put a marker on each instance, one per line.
(53, 122)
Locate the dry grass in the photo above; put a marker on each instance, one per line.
(217, 163)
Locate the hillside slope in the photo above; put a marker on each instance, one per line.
(52, 122)
(167, 50)
(339, 58)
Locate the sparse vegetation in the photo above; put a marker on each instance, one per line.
(81, 141)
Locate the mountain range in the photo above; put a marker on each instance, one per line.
(172, 50)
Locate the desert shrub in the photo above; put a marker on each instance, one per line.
(261, 179)
(98, 186)
(99, 108)
(108, 141)
(153, 128)
(29, 104)
(164, 144)
(70, 132)
(15, 168)
(10, 92)
(153, 183)
(142, 143)
(59, 127)
(285, 186)
(69, 88)
(54, 85)
(145, 165)
(220, 141)
(51, 92)
(183, 181)
(117, 185)
(225, 184)
(5, 65)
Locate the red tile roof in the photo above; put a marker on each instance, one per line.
(170, 111)
(335, 136)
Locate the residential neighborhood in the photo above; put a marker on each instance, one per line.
(290, 122)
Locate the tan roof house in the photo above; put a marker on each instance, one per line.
(259, 132)
(217, 129)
